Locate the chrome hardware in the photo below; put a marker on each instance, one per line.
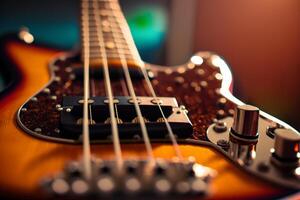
(38, 130)
(220, 126)
(287, 145)
(46, 91)
(34, 99)
(275, 160)
(136, 178)
(246, 121)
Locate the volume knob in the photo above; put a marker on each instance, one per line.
(287, 145)
(246, 121)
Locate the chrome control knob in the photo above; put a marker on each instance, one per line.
(287, 145)
(246, 121)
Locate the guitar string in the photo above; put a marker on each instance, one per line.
(85, 122)
(134, 98)
(108, 88)
(169, 128)
(152, 91)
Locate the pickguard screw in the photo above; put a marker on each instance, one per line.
(53, 97)
(220, 114)
(47, 91)
(200, 72)
(137, 137)
(38, 130)
(56, 130)
(57, 79)
(221, 102)
(220, 126)
(224, 144)
(203, 84)
(231, 112)
(179, 80)
(72, 77)
(34, 99)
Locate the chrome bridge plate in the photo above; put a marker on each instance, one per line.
(136, 178)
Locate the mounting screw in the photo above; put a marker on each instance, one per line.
(56, 130)
(57, 79)
(38, 130)
(53, 97)
(156, 101)
(72, 76)
(34, 99)
(224, 144)
(183, 108)
(137, 137)
(46, 91)
(220, 126)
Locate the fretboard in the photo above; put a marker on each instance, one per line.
(114, 31)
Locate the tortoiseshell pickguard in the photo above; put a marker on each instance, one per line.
(196, 86)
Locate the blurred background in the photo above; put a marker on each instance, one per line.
(260, 39)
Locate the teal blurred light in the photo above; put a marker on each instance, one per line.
(148, 25)
(52, 22)
(56, 22)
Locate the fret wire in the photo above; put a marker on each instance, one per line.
(113, 15)
(130, 39)
(116, 46)
(93, 33)
(96, 53)
(114, 56)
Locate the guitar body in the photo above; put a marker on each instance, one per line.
(26, 159)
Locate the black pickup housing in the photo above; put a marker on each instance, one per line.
(124, 107)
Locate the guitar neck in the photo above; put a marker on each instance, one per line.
(107, 27)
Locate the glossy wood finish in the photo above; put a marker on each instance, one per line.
(25, 159)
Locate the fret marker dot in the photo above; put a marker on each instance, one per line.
(105, 23)
(110, 45)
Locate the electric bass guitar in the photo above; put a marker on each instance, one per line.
(100, 123)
